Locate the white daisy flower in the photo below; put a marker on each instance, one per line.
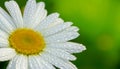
(35, 40)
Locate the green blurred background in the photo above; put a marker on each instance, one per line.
(99, 23)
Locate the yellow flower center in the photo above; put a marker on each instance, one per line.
(27, 41)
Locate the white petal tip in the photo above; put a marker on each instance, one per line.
(56, 14)
(42, 3)
(69, 23)
(82, 47)
(8, 2)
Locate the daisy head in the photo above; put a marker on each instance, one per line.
(34, 40)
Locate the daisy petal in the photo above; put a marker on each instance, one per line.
(62, 37)
(3, 39)
(56, 22)
(46, 64)
(3, 34)
(4, 42)
(72, 28)
(47, 21)
(12, 63)
(7, 17)
(5, 25)
(22, 62)
(29, 11)
(56, 29)
(15, 12)
(39, 15)
(62, 64)
(70, 47)
(34, 64)
(60, 53)
(40, 63)
(6, 54)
